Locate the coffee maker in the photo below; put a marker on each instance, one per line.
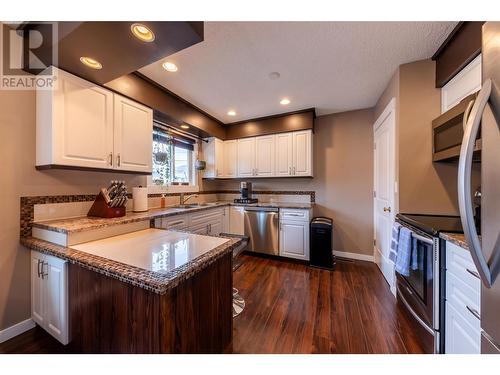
(246, 194)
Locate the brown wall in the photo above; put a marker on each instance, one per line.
(19, 178)
(424, 186)
(343, 178)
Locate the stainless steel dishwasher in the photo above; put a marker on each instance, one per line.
(262, 227)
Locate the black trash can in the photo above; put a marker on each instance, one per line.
(321, 254)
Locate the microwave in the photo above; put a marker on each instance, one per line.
(448, 132)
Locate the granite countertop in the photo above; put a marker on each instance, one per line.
(153, 259)
(456, 238)
(85, 223)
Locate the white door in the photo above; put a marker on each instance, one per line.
(133, 130)
(461, 338)
(284, 154)
(225, 220)
(294, 240)
(37, 290)
(83, 123)
(219, 158)
(236, 220)
(264, 156)
(231, 159)
(302, 153)
(384, 183)
(199, 229)
(246, 157)
(57, 304)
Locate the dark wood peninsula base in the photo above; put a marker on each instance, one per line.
(111, 316)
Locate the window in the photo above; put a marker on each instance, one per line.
(173, 159)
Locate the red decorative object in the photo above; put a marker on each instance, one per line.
(101, 209)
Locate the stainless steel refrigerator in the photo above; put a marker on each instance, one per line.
(485, 117)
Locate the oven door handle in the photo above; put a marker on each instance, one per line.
(422, 238)
(415, 315)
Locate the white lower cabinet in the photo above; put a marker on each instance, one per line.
(237, 220)
(49, 294)
(463, 303)
(461, 338)
(294, 233)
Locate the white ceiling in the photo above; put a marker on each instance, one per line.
(332, 66)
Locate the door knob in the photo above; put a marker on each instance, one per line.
(387, 209)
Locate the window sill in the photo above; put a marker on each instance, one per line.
(157, 189)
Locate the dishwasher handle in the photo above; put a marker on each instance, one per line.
(261, 209)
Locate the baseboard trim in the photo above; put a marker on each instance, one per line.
(343, 254)
(16, 329)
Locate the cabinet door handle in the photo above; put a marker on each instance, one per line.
(294, 171)
(43, 272)
(290, 171)
(473, 312)
(38, 266)
(110, 158)
(473, 273)
(118, 160)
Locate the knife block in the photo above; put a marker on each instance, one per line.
(101, 209)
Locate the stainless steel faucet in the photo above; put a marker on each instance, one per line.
(184, 199)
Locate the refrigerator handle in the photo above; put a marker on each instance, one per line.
(471, 128)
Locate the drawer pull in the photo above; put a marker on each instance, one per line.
(473, 273)
(176, 223)
(473, 312)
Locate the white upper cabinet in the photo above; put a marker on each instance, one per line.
(213, 152)
(302, 153)
(133, 135)
(276, 155)
(246, 157)
(74, 124)
(230, 159)
(284, 154)
(80, 124)
(466, 82)
(264, 156)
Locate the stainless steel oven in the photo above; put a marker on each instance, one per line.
(419, 292)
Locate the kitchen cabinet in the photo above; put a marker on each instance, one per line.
(463, 302)
(49, 295)
(80, 124)
(302, 153)
(246, 157)
(225, 220)
(230, 162)
(213, 152)
(264, 156)
(276, 155)
(209, 222)
(236, 220)
(133, 135)
(284, 154)
(294, 233)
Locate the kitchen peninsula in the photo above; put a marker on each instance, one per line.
(148, 290)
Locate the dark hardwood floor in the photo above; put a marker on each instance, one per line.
(294, 308)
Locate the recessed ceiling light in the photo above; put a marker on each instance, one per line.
(90, 62)
(231, 113)
(169, 66)
(285, 101)
(142, 32)
(184, 126)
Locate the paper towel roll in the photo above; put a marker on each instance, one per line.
(140, 197)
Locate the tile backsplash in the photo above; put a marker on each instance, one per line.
(42, 208)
